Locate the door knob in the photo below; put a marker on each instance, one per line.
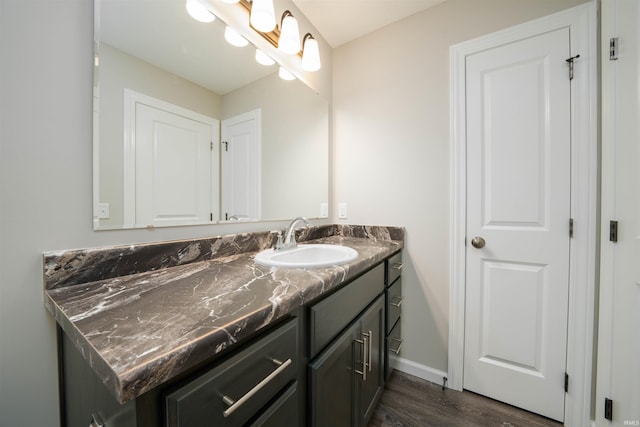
(478, 242)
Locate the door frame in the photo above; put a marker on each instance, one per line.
(583, 27)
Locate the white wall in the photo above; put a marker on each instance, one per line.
(391, 142)
(295, 144)
(46, 77)
(119, 71)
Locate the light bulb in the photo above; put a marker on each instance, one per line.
(310, 54)
(263, 58)
(289, 36)
(199, 12)
(230, 1)
(263, 17)
(234, 38)
(285, 74)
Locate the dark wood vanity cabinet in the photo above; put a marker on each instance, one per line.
(393, 301)
(346, 378)
(322, 365)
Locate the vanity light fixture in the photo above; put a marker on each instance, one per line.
(285, 74)
(289, 41)
(263, 58)
(234, 38)
(310, 53)
(199, 12)
(263, 16)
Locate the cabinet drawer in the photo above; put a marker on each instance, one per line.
(331, 315)
(394, 303)
(236, 389)
(394, 268)
(393, 347)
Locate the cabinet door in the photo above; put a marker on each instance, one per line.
(372, 328)
(331, 378)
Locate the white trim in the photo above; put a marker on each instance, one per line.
(131, 98)
(582, 23)
(417, 370)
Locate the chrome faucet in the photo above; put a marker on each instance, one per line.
(290, 238)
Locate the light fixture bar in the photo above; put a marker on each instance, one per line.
(271, 36)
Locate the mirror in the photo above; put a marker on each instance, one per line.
(191, 130)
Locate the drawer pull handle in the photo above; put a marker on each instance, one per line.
(238, 403)
(96, 421)
(398, 302)
(397, 265)
(397, 350)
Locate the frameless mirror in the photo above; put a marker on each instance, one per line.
(191, 130)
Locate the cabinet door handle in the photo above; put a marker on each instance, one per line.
(370, 350)
(397, 265)
(365, 356)
(398, 302)
(238, 403)
(397, 350)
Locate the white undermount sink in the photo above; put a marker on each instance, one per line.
(307, 256)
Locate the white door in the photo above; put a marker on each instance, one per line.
(173, 169)
(619, 323)
(240, 158)
(518, 202)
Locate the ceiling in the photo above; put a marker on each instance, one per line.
(198, 52)
(340, 21)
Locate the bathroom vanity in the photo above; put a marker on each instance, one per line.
(195, 332)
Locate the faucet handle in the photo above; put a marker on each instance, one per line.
(279, 242)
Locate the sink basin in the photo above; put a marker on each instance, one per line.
(307, 256)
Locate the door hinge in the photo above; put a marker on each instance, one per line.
(566, 382)
(613, 48)
(570, 227)
(570, 62)
(211, 216)
(211, 145)
(226, 145)
(608, 409)
(613, 231)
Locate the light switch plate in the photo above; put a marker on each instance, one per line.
(342, 210)
(324, 210)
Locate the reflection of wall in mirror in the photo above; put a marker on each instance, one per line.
(295, 151)
(119, 70)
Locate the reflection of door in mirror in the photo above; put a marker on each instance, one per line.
(170, 157)
(240, 166)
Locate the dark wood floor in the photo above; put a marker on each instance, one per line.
(411, 401)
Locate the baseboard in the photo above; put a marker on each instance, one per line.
(417, 370)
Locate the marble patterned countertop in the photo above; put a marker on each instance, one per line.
(143, 314)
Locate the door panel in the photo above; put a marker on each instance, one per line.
(373, 327)
(331, 382)
(512, 316)
(518, 201)
(240, 168)
(166, 143)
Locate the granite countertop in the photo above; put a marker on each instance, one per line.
(140, 329)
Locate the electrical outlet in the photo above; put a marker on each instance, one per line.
(324, 210)
(103, 210)
(342, 210)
